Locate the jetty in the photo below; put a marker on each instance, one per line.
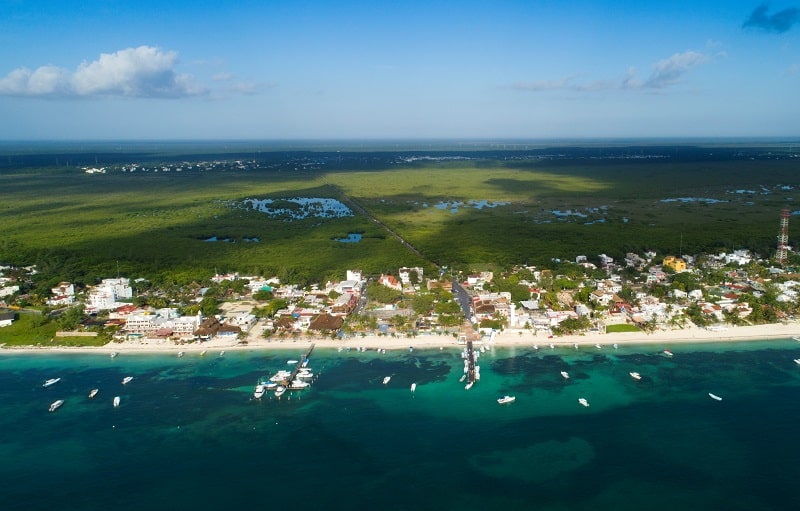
(300, 364)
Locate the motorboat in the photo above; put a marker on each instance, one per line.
(298, 385)
(575, 345)
(551, 346)
(714, 397)
(127, 380)
(536, 346)
(56, 404)
(565, 375)
(221, 353)
(469, 385)
(635, 375)
(51, 381)
(797, 361)
(180, 354)
(114, 354)
(93, 393)
(413, 387)
(463, 377)
(583, 401)
(116, 401)
(259, 391)
(386, 380)
(291, 362)
(506, 399)
(281, 390)
(203, 353)
(616, 345)
(597, 345)
(668, 353)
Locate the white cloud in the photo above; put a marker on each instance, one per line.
(666, 72)
(133, 72)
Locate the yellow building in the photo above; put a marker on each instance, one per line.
(676, 263)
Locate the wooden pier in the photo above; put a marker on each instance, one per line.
(300, 365)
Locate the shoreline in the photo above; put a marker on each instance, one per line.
(506, 338)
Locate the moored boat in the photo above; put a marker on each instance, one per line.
(413, 387)
(506, 399)
(565, 375)
(714, 397)
(635, 375)
(127, 380)
(797, 361)
(116, 401)
(93, 393)
(51, 381)
(386, 379)
(583, 401)
(203, 353)
(180, 354)
(468, 385)
(56, 404)
(259, 391)
(114, 354)
(281, 390)
(668, 353)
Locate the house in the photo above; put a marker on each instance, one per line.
(676, 263)
(390, 282)
(405, 275)
(6, 318)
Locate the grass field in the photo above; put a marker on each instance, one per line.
(82, 227)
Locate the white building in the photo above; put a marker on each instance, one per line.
(105, 295)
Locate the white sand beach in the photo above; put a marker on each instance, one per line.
(506, 338)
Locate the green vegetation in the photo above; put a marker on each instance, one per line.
(622, 327)
(81, 227)
(30, 329)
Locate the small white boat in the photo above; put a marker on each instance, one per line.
(114, 354)
(598, 346)
(506, 399)
(292, 361)
(797, 361)
(468, 385)
(93, 393)
(116, 401)
(259, 391)
(203, 353)
(635, 375)
(616, 346)
(127, 380)
(575, 345)
(668, 353)
(714, 397)
(386, 380)
(51, 381)
(463, 377)
(180, 354)
(280, 391)
(536, 346)
(413, 387)
(796, 338)
(565, 375)
(551, 346)
(56, 404)
(583, 401)
(221, 353)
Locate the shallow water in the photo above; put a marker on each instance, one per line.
(188, 433)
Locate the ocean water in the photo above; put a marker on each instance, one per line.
(189, 435)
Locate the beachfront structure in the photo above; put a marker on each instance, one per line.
(164, 321)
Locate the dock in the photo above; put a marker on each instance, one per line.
(300, 364)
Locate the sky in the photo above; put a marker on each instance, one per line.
(467, 69)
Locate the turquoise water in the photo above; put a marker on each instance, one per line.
(188, 434)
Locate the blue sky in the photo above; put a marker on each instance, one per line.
(416, 69)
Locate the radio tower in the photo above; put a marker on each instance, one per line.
(783, 238)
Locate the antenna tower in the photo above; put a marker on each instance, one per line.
(783, 238)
